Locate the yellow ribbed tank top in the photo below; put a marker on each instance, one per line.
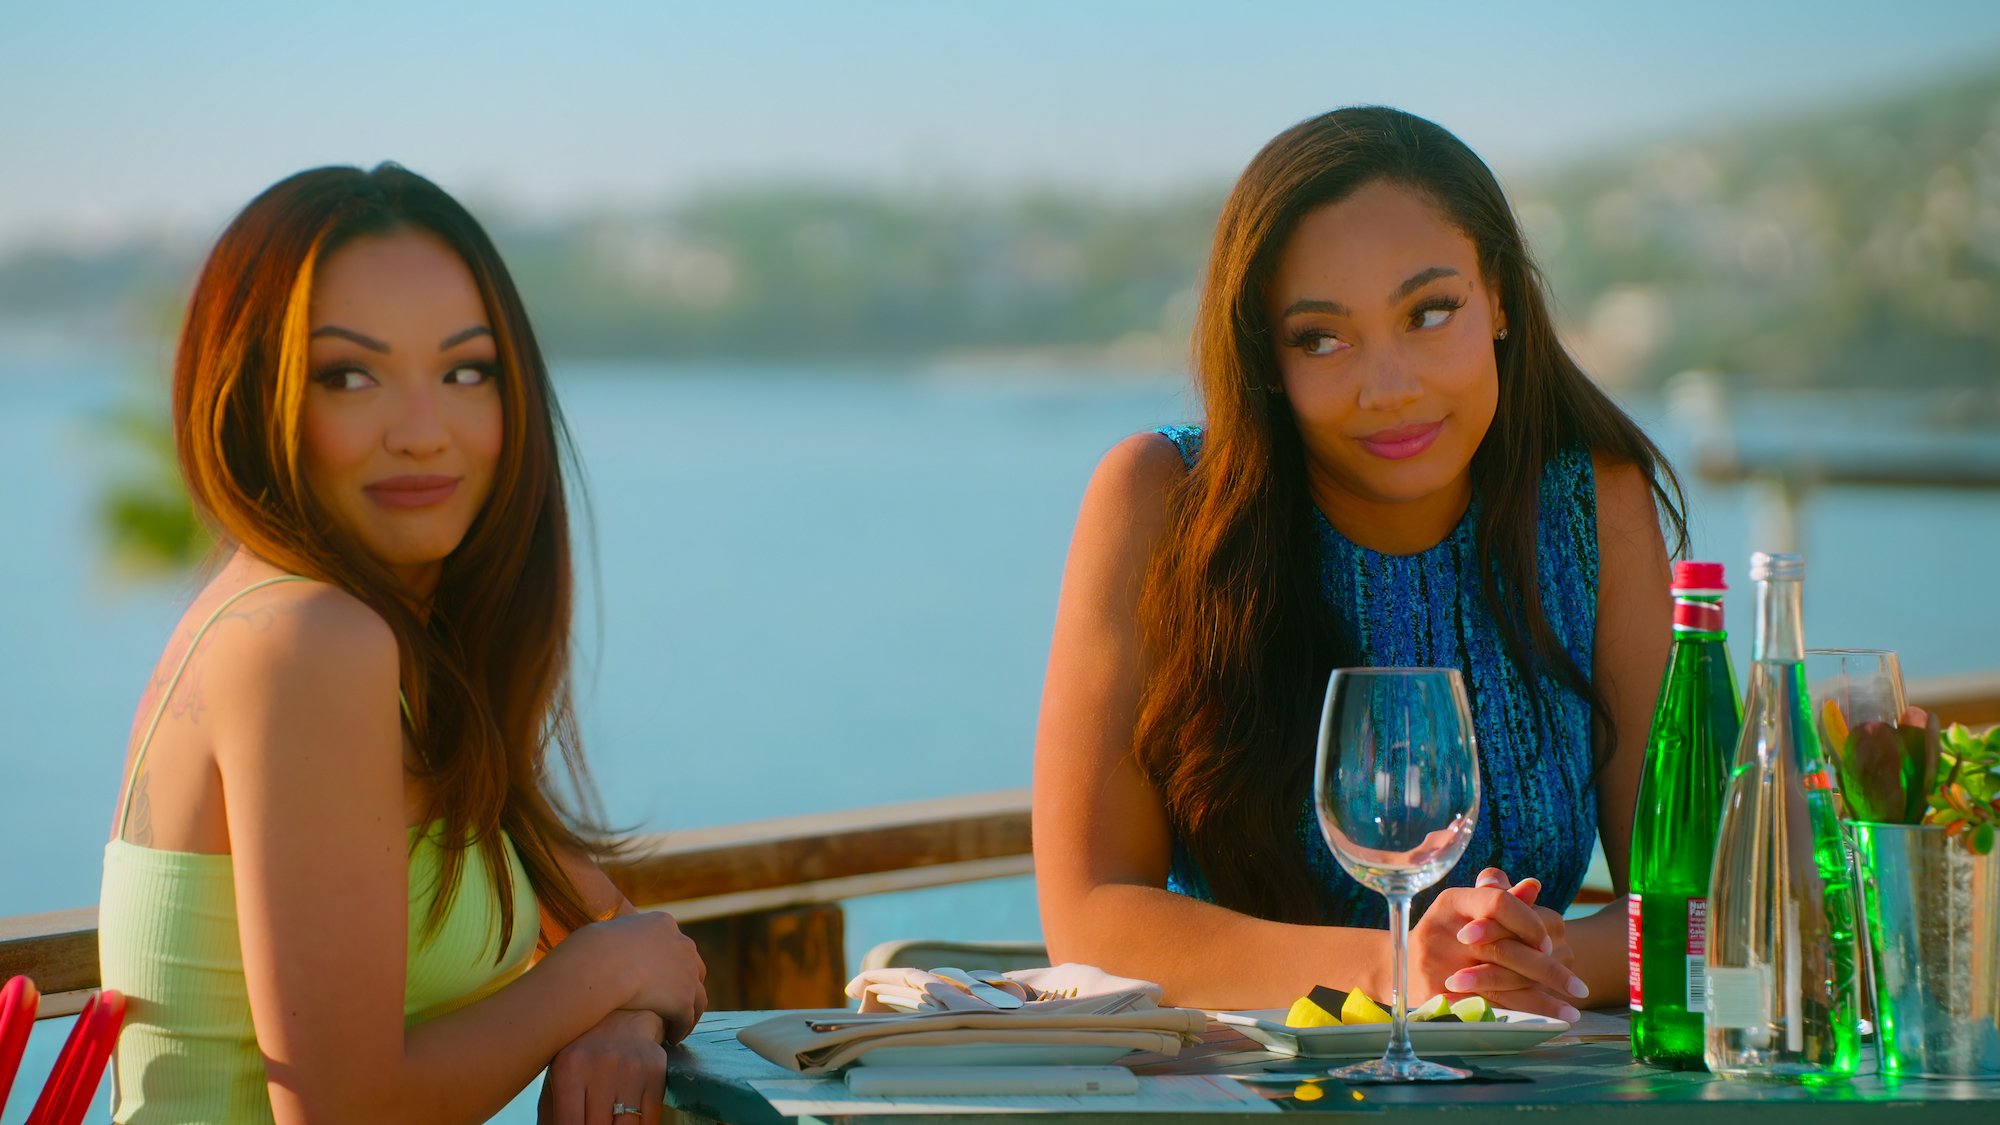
(167, 939)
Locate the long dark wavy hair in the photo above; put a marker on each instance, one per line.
(485, 661)
(1231, 613)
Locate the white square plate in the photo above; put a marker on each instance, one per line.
(996, 1054)
(1513, 1031)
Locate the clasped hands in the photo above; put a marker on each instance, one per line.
(618, 1069)
(1491, 939)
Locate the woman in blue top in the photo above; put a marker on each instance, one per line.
(1400, 465)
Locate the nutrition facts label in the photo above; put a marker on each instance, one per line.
(1697, 955)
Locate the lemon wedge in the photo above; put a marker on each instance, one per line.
(1305, 1013)
(1836, 726)
(1360, 1009)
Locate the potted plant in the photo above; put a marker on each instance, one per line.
(1912, 773)
(1924, 808)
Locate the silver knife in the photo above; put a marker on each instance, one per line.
(980, 990)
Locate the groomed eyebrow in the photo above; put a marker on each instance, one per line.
(369, 342)
(460, 337)
(1309, 304)
(1415, 282)
(374, 345)
(1422, 278)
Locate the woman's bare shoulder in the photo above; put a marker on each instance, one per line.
(1141, 469)
(1627, 508)
(1124, 510)
(295, 620)
(254, 673)
(292, 640)
(1631, 546)
(1148, 452)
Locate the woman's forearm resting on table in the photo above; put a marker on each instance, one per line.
(468, 1064)
(1599, 941)
(1206, 956)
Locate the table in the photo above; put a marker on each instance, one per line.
(1575, 1080)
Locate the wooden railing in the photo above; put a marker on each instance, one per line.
(762, 900)
(1973, 700)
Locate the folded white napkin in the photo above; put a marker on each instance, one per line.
(1049, 989)
(1065, 1005)
(789, 1038)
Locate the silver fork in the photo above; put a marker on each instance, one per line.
(1116, 1003)
(872, 1018)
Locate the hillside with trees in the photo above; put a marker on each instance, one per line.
(1855, 246)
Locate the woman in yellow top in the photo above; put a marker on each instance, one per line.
(338, 845)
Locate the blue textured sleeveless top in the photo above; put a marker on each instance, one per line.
(1537, 806)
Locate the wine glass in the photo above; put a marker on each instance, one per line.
(1396, 789)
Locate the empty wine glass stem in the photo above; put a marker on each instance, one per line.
(1398, 1055)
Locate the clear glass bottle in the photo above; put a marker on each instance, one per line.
(1782, 989)
(1693, 740)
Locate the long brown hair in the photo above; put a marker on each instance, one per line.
(1231, 613)
(485, 662)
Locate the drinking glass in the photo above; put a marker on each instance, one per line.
(1851, 689)
(1864, 686)
(1396, 790)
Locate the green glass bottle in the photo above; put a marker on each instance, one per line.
(1673, 830)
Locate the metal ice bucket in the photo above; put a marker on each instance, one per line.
(1933, 911)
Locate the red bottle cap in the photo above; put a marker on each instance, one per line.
(1699, 578)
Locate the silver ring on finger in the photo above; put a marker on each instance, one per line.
(620, 1109)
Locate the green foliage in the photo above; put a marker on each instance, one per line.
(144, 514)
(1887, 770)
(832, 275)
(1967, 800)
(1859, 246)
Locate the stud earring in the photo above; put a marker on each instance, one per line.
(1500, 335)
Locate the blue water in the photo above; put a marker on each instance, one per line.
(819, 590)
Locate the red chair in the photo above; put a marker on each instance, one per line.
(18, 1001)
(74, 1078)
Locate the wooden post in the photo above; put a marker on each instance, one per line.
(793, 958)
(796, 958)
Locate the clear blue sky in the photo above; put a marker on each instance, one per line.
(122, 115)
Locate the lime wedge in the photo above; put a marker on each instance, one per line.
(1432, 1008)
(1474, 1009)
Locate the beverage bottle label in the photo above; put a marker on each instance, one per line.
(1739, 998)
(1632, 943)
(1697, 955)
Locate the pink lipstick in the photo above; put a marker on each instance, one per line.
(1403, 442)
(412, 491)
